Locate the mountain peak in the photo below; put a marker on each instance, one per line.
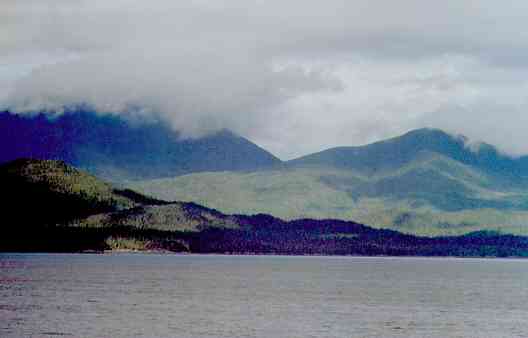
(427, 133)
(426, 138)
(396, 152)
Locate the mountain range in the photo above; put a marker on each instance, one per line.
(426, 181)
(51, 206)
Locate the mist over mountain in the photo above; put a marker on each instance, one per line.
(112, 147)
(339, 73)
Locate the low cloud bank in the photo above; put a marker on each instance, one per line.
(293, 77)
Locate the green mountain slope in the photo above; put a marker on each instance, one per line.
(425, 182)
(174, 216)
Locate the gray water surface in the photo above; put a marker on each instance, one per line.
(145, 295)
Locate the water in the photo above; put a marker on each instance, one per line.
(136, 295)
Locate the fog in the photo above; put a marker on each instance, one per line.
(293, 76)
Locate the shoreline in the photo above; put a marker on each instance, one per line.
(170, 253)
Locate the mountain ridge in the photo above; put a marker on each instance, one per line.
(402, 149)
(111, 147)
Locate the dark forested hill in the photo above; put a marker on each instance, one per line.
(48, 192)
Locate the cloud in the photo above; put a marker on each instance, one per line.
(294, 76)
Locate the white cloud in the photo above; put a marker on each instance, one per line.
(295, 76)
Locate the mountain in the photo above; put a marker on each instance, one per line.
(51, 206)
(113, 148)
(424, 182)
(395, 153)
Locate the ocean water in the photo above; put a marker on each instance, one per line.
(147, 295)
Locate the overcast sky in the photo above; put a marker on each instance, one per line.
(294, 76)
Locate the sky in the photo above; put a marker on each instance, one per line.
(293, 76)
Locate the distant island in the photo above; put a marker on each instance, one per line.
(50, 206)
